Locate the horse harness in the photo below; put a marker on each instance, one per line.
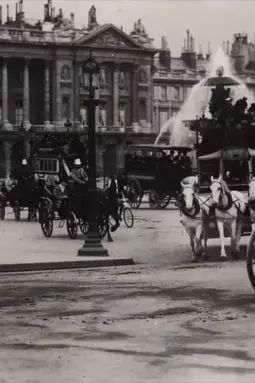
(197, 206)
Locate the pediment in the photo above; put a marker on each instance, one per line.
(108, 36)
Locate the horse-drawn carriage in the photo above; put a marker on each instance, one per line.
(20, 196)
(224, 206)
(150, 168)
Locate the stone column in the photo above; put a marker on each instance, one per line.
(26, 120)
(5, 121)
(76, 93)
(97, 97)
(134, 98)
(116, 97)
(46, 92)
(7, 156)
(149, 99)
(58, 99)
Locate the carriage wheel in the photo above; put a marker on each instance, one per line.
(102, 225)
(72, 226)
(128, 217)
(164, 201)
(250, 260)
(153, 199)
(16, 210)
(84, 226)
(46, 217)
(2, 210)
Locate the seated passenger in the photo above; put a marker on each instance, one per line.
(60, 193)
(79, 174)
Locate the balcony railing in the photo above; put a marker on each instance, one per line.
(27, 35)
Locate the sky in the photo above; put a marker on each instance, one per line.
(211, 21)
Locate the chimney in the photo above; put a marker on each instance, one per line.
(8, 13)
(53, 14)
(16, 12)
(165, 55)
(46, 12)
(21, 6)
(200, 55)
(72, 19)
(228, 48)
(1, 15)
(188, 41)
(185, 45)
(209, 52)
(191, 44)
(50, 8)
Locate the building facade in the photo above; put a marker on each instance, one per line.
(174, 77)
(44, 89)
(139, 87)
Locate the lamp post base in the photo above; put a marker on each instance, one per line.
(93, 247)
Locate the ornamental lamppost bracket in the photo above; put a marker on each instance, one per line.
(92, 245)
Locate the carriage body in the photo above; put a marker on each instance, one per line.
(143, 174)
(236, 166)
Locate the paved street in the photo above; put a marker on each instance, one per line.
(161, 320)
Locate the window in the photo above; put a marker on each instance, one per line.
(65, 108)
(163, 118)
(142, 109)
(163, 93)
(175, 93)
(168, 93)
(18, 111)
(46, 165)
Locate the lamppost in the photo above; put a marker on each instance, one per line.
(92, 245)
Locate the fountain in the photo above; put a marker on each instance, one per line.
(197, 104)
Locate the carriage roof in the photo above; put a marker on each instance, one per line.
(229, 154)
(153, 147)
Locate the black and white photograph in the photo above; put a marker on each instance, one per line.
(127, 191)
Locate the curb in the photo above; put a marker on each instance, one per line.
(8, 268)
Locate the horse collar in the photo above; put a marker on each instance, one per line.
(229, 204)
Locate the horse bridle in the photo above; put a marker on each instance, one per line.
(228, 195)
(182, 206)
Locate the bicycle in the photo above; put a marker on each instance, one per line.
(125, 214)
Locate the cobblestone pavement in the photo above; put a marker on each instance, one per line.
(162, 320)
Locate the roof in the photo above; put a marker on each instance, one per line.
(159, 147)
(215, 155)
(101, 29)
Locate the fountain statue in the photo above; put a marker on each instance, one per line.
(215, 105)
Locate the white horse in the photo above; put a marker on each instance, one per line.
(251, 202)
(195, 211)
(230, 206)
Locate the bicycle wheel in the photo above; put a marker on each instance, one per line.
(128, 217)
(250, 263)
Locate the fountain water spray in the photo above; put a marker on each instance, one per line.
(198, 100)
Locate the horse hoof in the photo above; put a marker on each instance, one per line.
(223, 257)
(205, 256)
(194, 260)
